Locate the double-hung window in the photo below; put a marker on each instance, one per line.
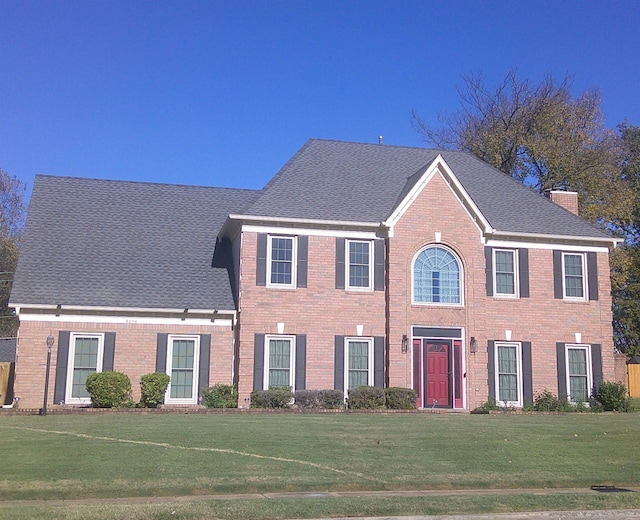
(281, 266)
(358, 362)
(505, 276)
(279, 361)
(85, 358)
(182, 363)
(579, 374)
(359, 274)
(508, 370)
(573, 274)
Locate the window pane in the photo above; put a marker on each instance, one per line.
(436, 277)
(508, 373)
(573, 276)
(279, 362)
(578, 378)
(85, 362)
(281, 260)
(505, 272)
(182, 361)
(358, 363)
(358, 264)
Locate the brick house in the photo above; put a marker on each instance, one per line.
(356, 264)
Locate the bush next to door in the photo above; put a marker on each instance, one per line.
(220, 396)
(275, 397)
(109, 389)
(319, 399)
(400, 398)
(153, 387)
(366, 398)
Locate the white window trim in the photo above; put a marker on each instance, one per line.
(346, 361)
(585, 287)
(516, 274)
(347, 264)
(294, 262)
(68, 399)
(587, 349)
(196, 368)
(292, 359)
(460, 284)
(518, 346)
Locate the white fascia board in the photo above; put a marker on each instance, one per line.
(512, 244)
(303, 222)
(439, 165)
(553, 241)
(276, 230)
(124, 310)
(25, 316)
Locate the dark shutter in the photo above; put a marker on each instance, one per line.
(562, 371)
(558, 291)
(416, 367)
(488, 269)
(109, 352)
(258, 362)
(161, 353)
(261, 260)
(205, 362)
(301, 361)
(340, 251)
(338, 372)
(523, 267)
(596, 365)
(378, 361)
(303, 253)
(378, 269)
(527, 374)
(62, 360)
(592, 274)
(491, 369)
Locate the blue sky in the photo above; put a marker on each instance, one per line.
(224, 93)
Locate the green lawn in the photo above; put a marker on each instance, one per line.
(108, 455)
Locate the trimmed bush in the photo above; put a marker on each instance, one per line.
(546, 401)
(109, 389)
(275, 397)
(612, 396)
(220, 396)
(400, 398)
(153, 387)
(366, 398)
(319, 399)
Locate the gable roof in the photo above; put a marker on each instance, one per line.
(343, 181)
(90, 242)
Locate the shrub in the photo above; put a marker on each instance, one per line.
(612, 396)
(109, 389)
(400, 398)
(489, 405)
(220, 396)
(275, 397)
(319, 399)
(153, 387)
(366, 398)
(546, 401)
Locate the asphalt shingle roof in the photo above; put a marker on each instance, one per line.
(125, 244)
(343, 181)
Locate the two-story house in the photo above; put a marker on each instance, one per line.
(356, 264)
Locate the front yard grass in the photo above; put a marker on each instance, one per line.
(106, 456)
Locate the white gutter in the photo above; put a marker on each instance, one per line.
(39, 306)
(307, 221)
(561, 238)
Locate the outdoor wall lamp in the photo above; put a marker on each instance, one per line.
(405, 344)
(473, 345)
(50, 341)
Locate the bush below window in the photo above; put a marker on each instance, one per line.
(275, 397)
(366, 398)
(612, 396)
(319, 399)
(220, 396)
(153, 387)
(109, 390)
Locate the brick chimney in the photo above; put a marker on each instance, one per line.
(566, 199)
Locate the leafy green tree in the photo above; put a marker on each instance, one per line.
(12, 214)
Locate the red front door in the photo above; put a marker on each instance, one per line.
(437, 371)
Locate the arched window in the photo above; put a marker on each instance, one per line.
(436, 276)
